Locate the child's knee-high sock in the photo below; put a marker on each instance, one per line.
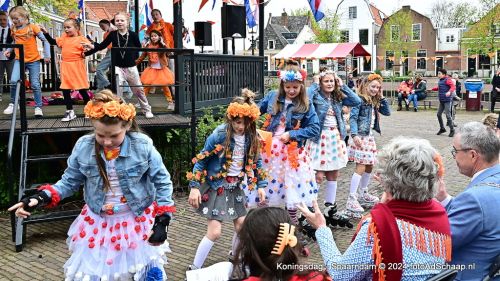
(235, 243)
(354, 183)
(293, 215)
(331, 191)
(202, 251)
(365, 180)
(167, 93)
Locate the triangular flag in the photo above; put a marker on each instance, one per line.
(491, 55)
(203, 2)
(380, 57)
(368, 58)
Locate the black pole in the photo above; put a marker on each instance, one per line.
(261, 29)
(233, 47)
(178, 24)
(136, 16)
(19, 2)
(224, 40)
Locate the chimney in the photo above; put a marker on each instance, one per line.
(406, 8)
(284, 18)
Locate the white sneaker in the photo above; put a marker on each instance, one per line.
(353, 204)
(171, 106)
(149, 114)
(137, 105)
(68, 115)
(366, 199)
(10, 109)
(38, 112)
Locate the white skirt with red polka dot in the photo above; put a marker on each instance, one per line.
(113, 247)
(366, 153)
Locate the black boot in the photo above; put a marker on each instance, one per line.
(442, 130)
(452, 133)
(306, 229)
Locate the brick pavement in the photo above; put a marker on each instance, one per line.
(45, 251)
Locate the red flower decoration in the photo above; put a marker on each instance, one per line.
(82, 233)
(124, 224)
(113, 239)
(117, 225)
(91, 221)
(204, 198)
(84, 212)
(117, 247)
(137, 228)
(91, 245)
(87, 218)
(96, 230)
(220, 190)
(91, 239)
(104, 224)
(125, 236)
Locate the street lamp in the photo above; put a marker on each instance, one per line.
(252, 40)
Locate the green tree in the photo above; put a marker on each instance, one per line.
(397, 36)
(58, 7)
(327, 30)
(483, 37)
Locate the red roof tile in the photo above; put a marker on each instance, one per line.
(104, 9)
(376, 14)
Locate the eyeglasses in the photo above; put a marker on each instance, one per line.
(454, 151)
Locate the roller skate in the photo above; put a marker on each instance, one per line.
(334, 218)
(366, 200)
(353, 208)
(306, 235)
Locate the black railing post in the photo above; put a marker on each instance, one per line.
(114, 86)
(22, 77)
(193, 105)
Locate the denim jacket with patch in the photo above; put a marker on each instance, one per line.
(213, 164)
(321, 105)
(309, 122)
(361, 117)
(142, 175)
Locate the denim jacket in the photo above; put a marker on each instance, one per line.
(361, 117)
(309, 122)
(321, 105)
(213, 164)
(142, 175)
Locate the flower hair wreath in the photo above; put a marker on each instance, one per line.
(235, 110)
(374, 76)
(291, 75)
(97, 110)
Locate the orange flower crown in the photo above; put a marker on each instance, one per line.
(97, 110)
(374, 76)
(243, 110)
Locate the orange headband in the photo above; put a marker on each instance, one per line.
(97, 110)
(243, 110)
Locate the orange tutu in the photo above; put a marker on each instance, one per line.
(154, 76)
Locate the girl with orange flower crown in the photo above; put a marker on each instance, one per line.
(73, 68)
(362, 147)
(292, 120)
(157, 72)
(122, 230)
(228, 163)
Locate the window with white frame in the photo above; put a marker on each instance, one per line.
(416, 32)
(450, 38)
(353, 12)
(395, 36)
(270, 44)
(363, 36)
(496, 29)
(58, 29)
(421, 62)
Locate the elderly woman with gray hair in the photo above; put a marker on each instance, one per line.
(407, 235)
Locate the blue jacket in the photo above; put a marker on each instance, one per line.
(443, 88)
(142, 175)
(309, 123)
(213, 164)
(321, 106)
(475, 224)
(361, 118)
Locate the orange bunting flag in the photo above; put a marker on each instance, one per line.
(380, 57)
(491, 55)
(368, 58)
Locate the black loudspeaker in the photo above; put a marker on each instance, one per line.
(202, 33)
(233, 21)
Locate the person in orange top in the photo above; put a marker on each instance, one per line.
(73, 69)
(166, 29)
(157, 72)
(25, 33)
(167, 32)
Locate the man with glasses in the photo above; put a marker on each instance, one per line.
(473, 214)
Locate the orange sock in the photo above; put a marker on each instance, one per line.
(146, 90)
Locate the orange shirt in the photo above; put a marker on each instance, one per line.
(27, 37)
(166, 29)
(71, 47)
